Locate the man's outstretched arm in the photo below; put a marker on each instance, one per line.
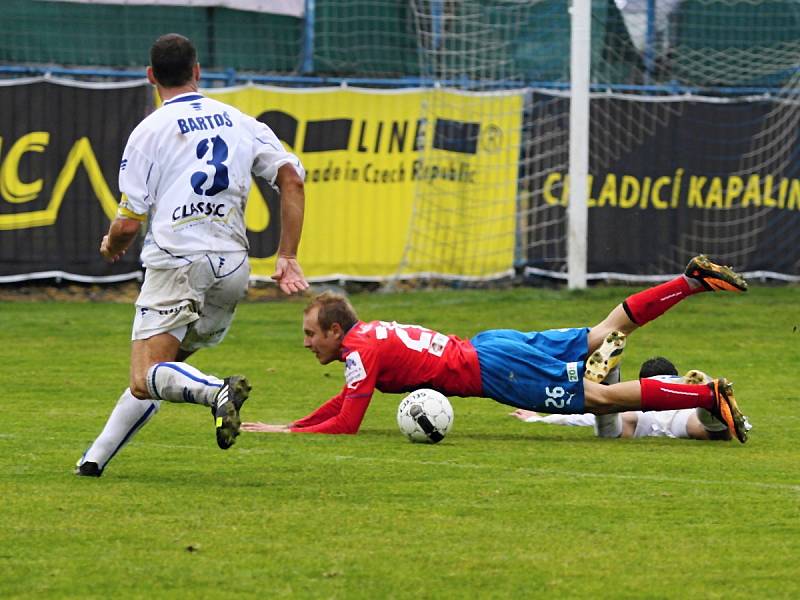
(120, 236)
(328, 410)
(348, 420)
(342, 414)
(288, 273)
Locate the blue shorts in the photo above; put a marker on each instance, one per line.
(538, 370)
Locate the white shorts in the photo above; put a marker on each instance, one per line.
(663, 423)
(201, 296)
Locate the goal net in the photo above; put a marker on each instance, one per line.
(463, 225)
(694, 101)
(699, 97)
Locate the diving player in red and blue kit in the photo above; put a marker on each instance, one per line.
(553, 371)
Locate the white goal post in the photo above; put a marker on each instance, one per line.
(578, 212)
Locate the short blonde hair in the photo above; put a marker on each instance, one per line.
(333, 308)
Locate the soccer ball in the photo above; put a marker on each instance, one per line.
(425, 416)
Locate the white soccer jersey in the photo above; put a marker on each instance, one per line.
(187, 167)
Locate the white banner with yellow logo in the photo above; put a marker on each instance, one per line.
(366, 154)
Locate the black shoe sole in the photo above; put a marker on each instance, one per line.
(229, 422)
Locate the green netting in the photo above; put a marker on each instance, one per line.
(735, 43)
(697, 43)
(258, 42)
(120, 36)
(525, 42)
(365, 38)
(542, 48)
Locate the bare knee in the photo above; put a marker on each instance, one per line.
(617, 320)
(138, 380)
(139, 387)
(146, 353)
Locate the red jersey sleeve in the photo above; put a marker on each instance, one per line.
(345, 412)
(330, 409)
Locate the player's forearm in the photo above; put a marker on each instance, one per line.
(348, 417)
(121, 234)
(328, 410)
(292, 212)
(337, 425)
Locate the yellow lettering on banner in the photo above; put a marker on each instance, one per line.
(12, 188)
(676, 188)
(609, 191)
(721, 193)
(768, 199)
(696, 184)
(629, 192)
(656, 195)
(547, 190)
(733, 189)
(753, 191)
(784, 186)
(646, 187)
(794, 195)
(80, 153)
(714, 197)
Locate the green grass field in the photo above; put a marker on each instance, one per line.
(499, 509)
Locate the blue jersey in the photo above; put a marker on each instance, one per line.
(538, 370)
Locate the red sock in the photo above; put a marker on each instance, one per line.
(653, 302)
(659, 395)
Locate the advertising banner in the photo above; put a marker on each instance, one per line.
(60, 147)
(365, 153)
(673, 178)
(668, 179)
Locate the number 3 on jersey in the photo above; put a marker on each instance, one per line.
(219, 154)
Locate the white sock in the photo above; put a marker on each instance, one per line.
(613, 376)
(181, 382)
(608, 426)
(129, 416)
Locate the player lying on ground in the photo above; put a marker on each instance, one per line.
(690, 423)
(187, 170)
(540, 371)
